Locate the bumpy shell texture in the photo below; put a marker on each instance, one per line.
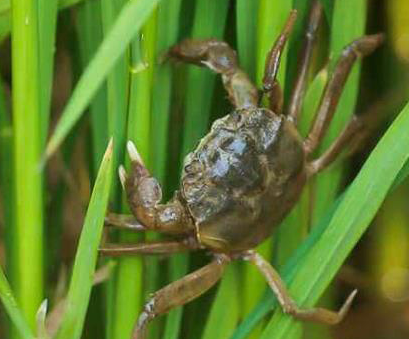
(243, 178)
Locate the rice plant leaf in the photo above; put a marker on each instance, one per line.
(89, 35)
(86, 256)
(246, 26)
(296, 261)
(5, 5)
(27, 244)
(130, 20)
(47, 19)
(168, 30)
(328, 8)
(350, 220)
(403, 174)
(12, 309)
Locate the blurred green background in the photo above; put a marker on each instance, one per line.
(73, 73)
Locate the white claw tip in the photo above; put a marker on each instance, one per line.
(133, 152)
(42, 310)
(122, 175)
(353, 294)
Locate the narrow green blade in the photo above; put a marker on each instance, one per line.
(12, 309)
(350, 220)
(129, 21)
(86, 256)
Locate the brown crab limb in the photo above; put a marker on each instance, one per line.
(358, 48)
(144, 194)
(125, 221)
(157, 247)
(180, 292)
(349, 132)
(287, 303)
(270, 83)
(298, 92)
(222, 59)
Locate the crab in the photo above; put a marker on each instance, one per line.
(244, 176)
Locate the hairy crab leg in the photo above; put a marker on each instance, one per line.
(144, 195)
(346, 137)
(220, 58)
(154, 247)
(270, 83)
(180, 292)
(288, 305)
(358, 48)
(298, 92)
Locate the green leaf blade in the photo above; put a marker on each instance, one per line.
(86, 256)
(129, 21)
(348, 223)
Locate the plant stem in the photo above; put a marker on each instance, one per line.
(28, 229)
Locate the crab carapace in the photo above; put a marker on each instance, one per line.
(244, 176)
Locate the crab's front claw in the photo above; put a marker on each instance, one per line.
(142, 190)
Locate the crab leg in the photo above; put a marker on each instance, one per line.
(288, 305)
(358, 48)
(222, 59)
(353, 127)
(270, 83)
(297, 94)
(125, 221)
(144, 195)
(154, 247)
(180, 292)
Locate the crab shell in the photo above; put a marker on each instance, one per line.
(243, 178)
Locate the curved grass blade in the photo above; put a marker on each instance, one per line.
(86, 256)
(12, 309)
(130, 20)
(291, 267)
(246, 27)
(89, 35)
(350, 220)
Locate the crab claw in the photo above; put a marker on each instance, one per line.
(122, 175)
(346, 306)
(133, 152)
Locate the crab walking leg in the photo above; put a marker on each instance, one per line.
(154, 247)
(125, 221)
(180, 292)
(349, 132)
(222, 59)
(270, 83)
(144, 195)
(358, 48)
(288, 305)
(298, 92)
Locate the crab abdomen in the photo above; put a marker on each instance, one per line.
(243, 178)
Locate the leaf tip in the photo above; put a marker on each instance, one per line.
(110, 148)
